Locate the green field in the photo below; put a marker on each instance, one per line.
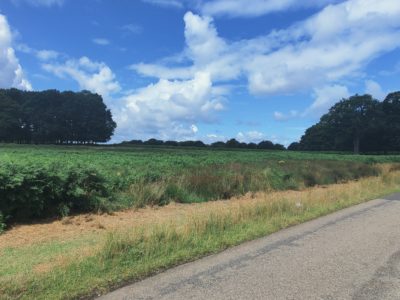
(51, 181)
(38, 182)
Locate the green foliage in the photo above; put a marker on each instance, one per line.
(2, 223)
(46, 181)
(53, 117)
(359, 123)
(32, 191)
(230, 144)
(390, 135)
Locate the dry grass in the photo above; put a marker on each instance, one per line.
(182, 219)
(88, 224)
(74, 256)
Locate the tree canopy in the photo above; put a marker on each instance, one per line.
(359, 123)
(54, 117)
(232, 143)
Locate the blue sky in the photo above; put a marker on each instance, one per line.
(208, 70)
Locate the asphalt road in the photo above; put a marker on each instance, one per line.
(351, 254)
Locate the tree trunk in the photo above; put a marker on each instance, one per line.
(356, 143)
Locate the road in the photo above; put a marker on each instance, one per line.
(351, 254)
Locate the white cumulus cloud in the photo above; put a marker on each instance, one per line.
(315, 55)
(11, 74)
(333, 44)
(169, 109)
(93, 76)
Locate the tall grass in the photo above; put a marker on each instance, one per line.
(223, 181)
(129, 254)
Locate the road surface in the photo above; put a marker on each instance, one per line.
(351, 254)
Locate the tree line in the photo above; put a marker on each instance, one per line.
(359, 124)
(53, 117)
(232, 143)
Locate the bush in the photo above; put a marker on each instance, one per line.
(31, 191)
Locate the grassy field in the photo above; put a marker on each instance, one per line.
(48, 181)
(78, 261)
(60, 254)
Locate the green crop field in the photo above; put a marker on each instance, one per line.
(48, 181)
(86, 254)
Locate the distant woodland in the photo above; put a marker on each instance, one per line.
(359, 124)
(232, 143)
(53, 117)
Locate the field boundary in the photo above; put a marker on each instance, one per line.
(126, 256)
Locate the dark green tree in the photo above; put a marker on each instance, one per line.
(318, 137)
(54, 117)
(295, 146)
(279, 147)
(268, 145)
(232, 143)
(391, 130)
(218, 144)
(353, 118)
(199, 144)
(154, 142)
(10, 121)
(346, 126)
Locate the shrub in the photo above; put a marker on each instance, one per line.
(31, 191)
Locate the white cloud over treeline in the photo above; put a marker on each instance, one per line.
(11, 73)
(317, 55)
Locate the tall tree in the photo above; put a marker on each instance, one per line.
(10, 122)
(54, 117)
(347, 122)
(391, 110)
(353, 117)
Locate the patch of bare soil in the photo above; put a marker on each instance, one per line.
(70, 227)
(85, 224)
